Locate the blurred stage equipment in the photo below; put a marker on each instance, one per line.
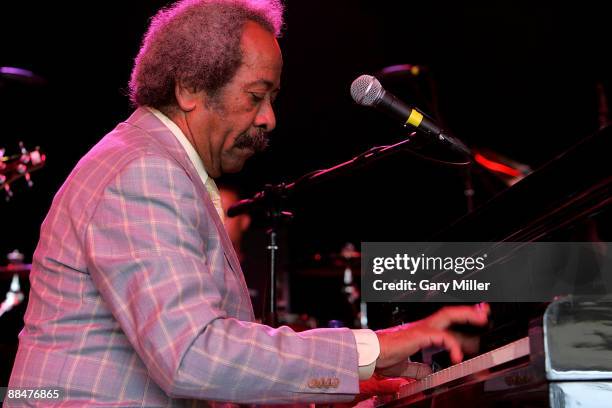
(18, 270)
(14, 288)
(403, 70)
(19, 165)
(350, 257)
(334, 279)
(508, 170)
(20, 75)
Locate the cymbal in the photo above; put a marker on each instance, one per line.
(24, 76)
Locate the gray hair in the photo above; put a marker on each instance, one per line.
(196, 42)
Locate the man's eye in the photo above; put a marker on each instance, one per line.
(257, 97)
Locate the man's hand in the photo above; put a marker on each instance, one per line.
(400, 342)
(379, 385)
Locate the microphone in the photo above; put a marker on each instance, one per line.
(367, 91)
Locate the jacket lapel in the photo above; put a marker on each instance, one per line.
(147, 121)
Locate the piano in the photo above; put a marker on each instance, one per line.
(564, 361)
(553, 354)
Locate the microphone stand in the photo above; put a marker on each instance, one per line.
(273, 198)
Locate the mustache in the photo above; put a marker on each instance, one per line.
(256, 140)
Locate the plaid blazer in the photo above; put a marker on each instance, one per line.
(137, 297)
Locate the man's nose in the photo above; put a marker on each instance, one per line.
(265, 117)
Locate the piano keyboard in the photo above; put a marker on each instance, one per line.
(493, 358)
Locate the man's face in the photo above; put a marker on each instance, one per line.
(233, 126)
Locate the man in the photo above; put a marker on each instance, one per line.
(137, 297)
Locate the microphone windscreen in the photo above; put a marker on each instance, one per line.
(366, 90)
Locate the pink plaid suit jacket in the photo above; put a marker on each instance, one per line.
(137, 297)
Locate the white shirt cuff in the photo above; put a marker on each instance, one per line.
(368, 350)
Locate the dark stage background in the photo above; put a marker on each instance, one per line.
(517, 77)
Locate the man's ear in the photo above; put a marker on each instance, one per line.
(187, 97)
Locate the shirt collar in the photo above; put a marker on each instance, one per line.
(208, 182)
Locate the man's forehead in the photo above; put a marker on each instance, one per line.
(262, 60)
(258, 43)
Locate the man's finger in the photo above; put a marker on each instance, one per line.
(469, 344)
(446, 340)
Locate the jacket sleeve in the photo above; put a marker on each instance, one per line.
(146, 256)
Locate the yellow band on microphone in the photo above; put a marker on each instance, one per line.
(415, 118)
